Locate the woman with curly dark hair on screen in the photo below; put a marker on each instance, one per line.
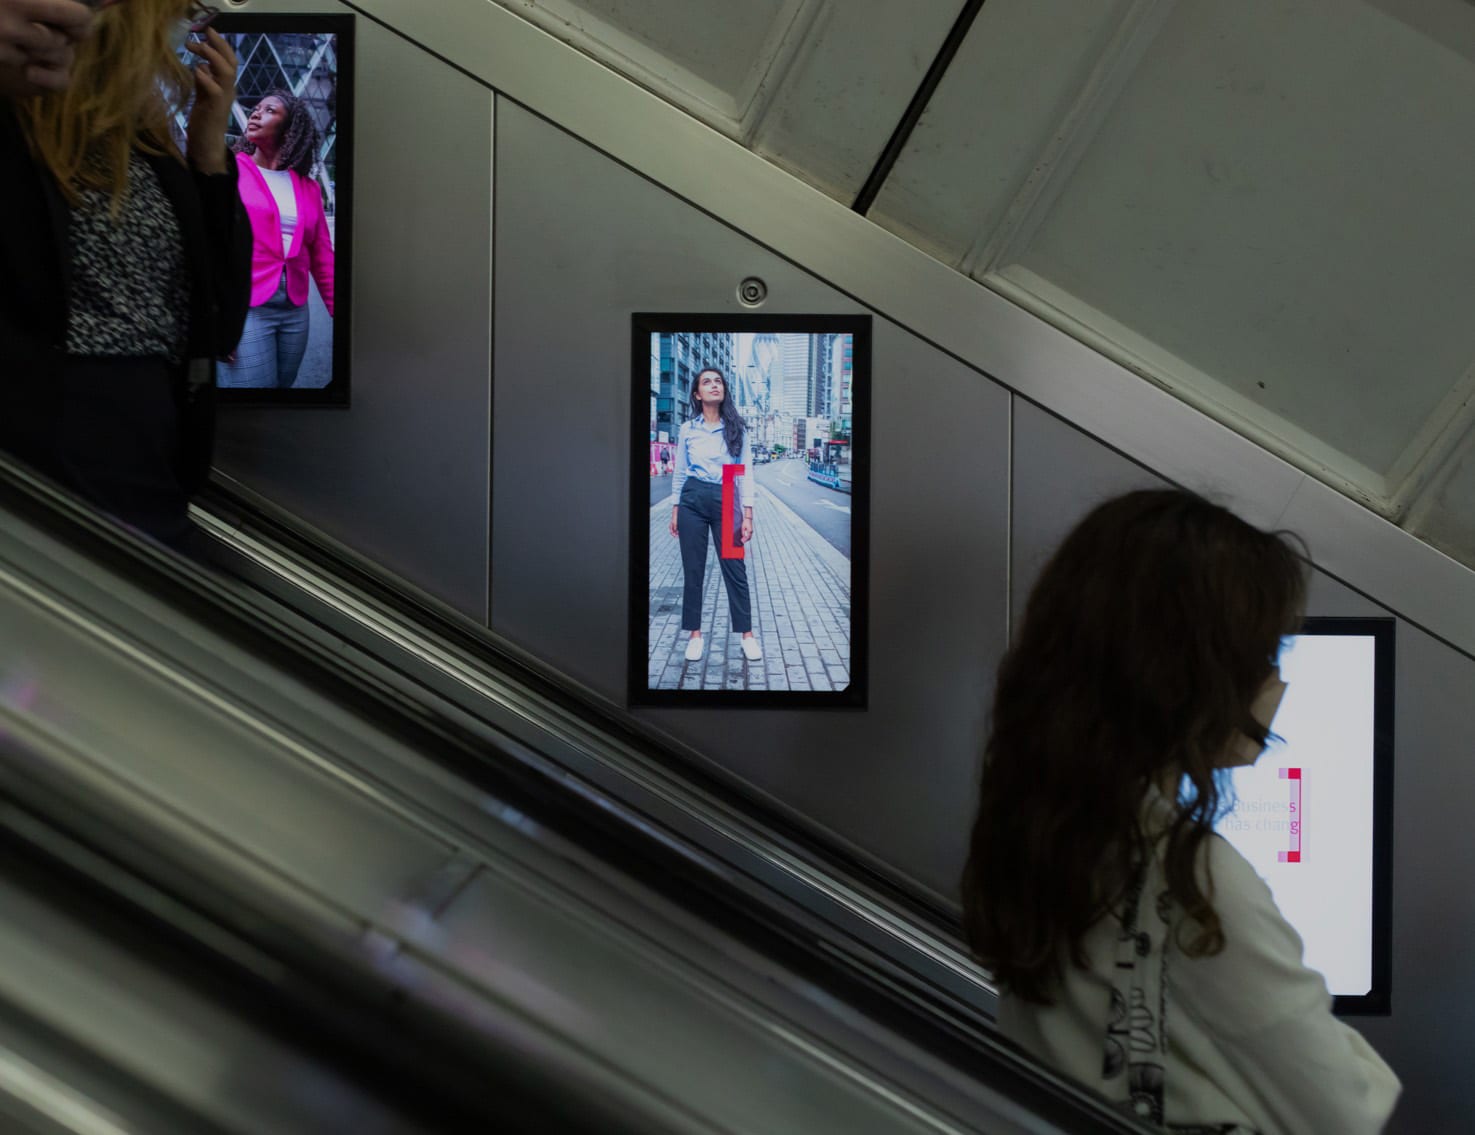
(1136, 950)
(277, 155)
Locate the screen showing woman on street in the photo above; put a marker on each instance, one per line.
(750, 436)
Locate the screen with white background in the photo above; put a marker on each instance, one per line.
(1304, 816)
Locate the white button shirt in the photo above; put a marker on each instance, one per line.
(701, 452)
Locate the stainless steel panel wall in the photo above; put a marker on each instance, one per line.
(583, 242)
(1059, 473)
(403, 475)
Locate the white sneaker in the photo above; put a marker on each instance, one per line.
(694, 648)
(751, 650)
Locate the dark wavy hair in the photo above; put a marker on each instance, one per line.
(1146, 638)
(299, 133)
(732, 422)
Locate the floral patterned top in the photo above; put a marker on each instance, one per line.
(129, 286)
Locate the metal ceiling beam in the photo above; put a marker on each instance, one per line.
(930, 82)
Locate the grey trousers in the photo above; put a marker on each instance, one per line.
(700, 513)
(272, 346)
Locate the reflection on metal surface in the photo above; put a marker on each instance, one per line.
(55, 1100)
(720, 995)
(697, 992)
(149, 820)
(200, 693)
(721, 821)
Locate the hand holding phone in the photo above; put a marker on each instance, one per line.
(215, 90)
(37, 40)
(29, 27)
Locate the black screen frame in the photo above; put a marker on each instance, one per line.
(337, 393)
(642, 326)
(1378, 1001)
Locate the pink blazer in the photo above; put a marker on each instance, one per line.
(312, 244)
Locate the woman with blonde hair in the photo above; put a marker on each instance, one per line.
(124, 261)
(38, 40)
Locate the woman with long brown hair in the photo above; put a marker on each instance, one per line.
(1136, 950)
(124, 262)
(714, 436)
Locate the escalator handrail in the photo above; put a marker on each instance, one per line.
(691, 877)
(364, 1020)
(238, 509)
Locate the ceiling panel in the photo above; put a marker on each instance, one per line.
(1251, 206)
(1011, 84)
(711, 56)
(716, 39)
(1446, 517)
(815, 86)
(1450, 22)
(1274, 199)
(848, 87)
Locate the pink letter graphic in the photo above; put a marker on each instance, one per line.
(1293, 855)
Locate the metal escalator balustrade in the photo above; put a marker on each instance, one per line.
(387, 836)
(594, 742)
(127, 1006)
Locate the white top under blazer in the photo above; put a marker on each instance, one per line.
(279, 181)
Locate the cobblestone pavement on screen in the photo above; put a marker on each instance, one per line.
(800, 591)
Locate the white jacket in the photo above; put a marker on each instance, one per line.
(1251, 1039)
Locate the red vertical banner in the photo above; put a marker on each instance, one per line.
(730, 474)
(1293, 854)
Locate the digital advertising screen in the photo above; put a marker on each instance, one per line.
(750, 458)
(291, 138)
(1313, 814)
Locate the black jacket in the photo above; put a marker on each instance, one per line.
(34, 269)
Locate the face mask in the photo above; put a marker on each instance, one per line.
(1263, 710)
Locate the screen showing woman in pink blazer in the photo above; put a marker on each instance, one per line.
(291, 241)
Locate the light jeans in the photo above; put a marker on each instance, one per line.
(272, 346)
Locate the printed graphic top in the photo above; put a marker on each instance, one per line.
(129, 288)
(701, 452)
(1244, 1040)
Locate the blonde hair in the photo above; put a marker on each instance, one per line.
(127, 84)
